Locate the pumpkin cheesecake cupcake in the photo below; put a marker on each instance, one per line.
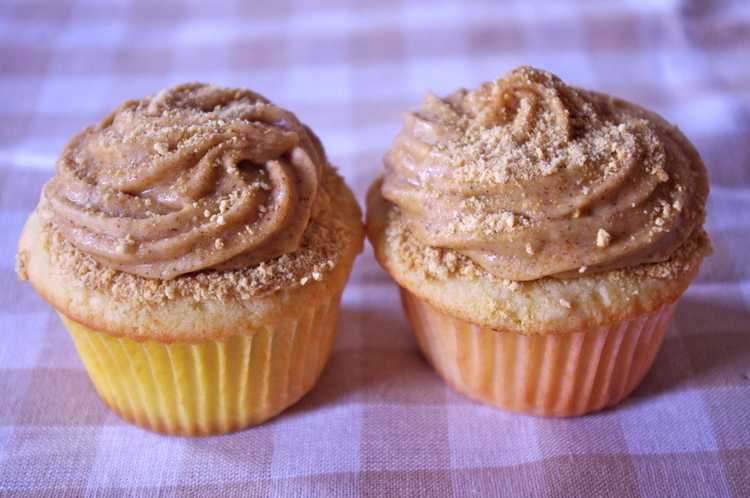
(195, 244)
(541, 235)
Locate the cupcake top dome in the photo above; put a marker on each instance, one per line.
(530, 177)
(194, 177)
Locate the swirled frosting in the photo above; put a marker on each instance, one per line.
(194, 177)
(530, 177)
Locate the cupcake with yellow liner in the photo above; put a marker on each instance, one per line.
(196, 244)
(542, 236)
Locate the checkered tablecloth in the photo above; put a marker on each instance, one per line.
(380, 422)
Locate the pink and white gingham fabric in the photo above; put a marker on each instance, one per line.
(380, 422)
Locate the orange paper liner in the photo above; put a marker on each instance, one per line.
(211, 387)
(544, 375)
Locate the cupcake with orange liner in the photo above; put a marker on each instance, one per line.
(542, 236)
(195, 244)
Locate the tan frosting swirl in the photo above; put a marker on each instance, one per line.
(530, 177)
(191, 178)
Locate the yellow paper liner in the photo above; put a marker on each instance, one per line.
(544, 375)
(211, 387)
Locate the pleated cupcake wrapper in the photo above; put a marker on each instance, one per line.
(211, 387)
(544, 375)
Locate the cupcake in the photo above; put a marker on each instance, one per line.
(195, 244)
(541, 236)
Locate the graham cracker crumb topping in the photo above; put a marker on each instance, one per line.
(603, 238)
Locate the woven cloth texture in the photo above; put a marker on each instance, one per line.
(380, 422)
